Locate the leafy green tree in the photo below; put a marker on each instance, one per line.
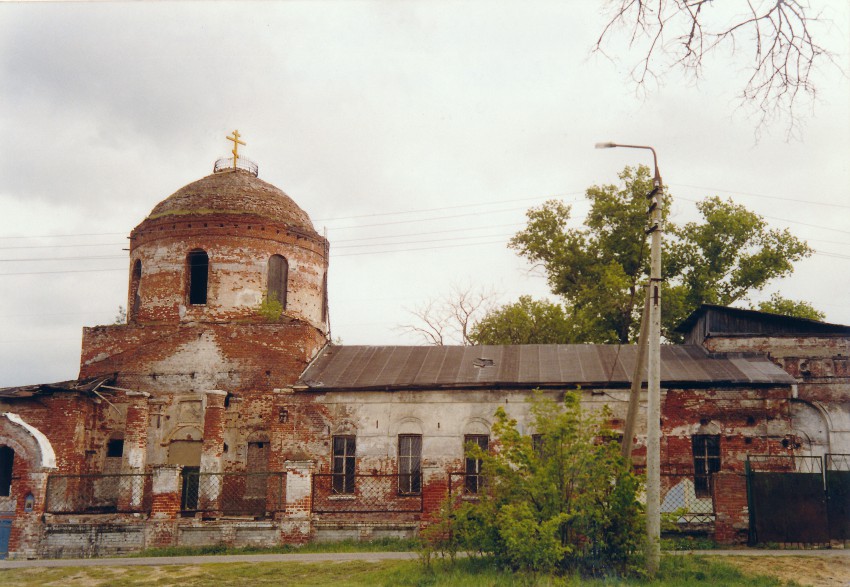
(719, 261)
(527, 321)
(561, 500)
(798, 309)
(599, 269)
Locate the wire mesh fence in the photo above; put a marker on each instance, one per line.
(466, 484)
(98, 493)
(685, 502)
(346, 493)
(248, 494)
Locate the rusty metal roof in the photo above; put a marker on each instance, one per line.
(74, 386)
(525, 366)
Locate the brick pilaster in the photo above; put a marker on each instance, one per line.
(131, 489)
(296, 526)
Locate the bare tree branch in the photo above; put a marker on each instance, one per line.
(775, 36)
(449, 319)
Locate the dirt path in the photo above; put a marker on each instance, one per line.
(815, 570)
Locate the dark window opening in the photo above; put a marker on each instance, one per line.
(706, 449)
(473, 480)
(537, 445)
(7, 462)
(278, 276)
(115, 448)
(135, 280)
(199, 264)
(409, 463)
(191, 481)
(344, 449)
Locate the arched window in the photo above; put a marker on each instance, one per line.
(278, 275)
(198, 265)
(7, 462)
(135, 279)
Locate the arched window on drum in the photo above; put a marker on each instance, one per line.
(278, 276)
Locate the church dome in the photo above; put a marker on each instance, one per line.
(233, 193)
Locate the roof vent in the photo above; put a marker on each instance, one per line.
(481, 363)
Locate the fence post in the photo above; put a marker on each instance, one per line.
(296, 525)
(131, 488)
(209, 489)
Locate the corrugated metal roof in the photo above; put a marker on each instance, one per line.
(430, 367)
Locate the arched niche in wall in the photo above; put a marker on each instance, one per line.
(113, 453)
(810, 425)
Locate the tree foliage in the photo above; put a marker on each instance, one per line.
(798, 309)
(777, 37)
(527, 321)
(599, 269)
(561, 500)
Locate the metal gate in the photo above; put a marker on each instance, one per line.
(838, 496)
(5, 533)
(794, 499)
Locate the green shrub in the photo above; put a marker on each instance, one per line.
(270, 308)
(566, 502)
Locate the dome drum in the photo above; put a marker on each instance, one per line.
(216, 248)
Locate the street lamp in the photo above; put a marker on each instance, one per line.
(652, 315)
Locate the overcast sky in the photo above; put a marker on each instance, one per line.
(414, 133)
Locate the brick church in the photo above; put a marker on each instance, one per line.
(204, 420)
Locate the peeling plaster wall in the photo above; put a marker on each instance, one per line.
(821, 365)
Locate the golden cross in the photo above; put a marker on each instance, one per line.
(236, 143)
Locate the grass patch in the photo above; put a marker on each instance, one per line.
(688, 543)
(675, 571)
(379, 545)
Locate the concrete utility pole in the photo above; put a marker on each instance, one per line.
(653, 410)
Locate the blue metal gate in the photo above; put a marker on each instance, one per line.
(5, 532)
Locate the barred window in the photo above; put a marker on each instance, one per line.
(473, 480)
(409, 463)
(706, 449)
(344, 448)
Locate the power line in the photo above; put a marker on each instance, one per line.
(733, 192)
(782, 219)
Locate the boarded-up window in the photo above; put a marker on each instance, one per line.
(278, 275)
(473, 479)
(135, 280)
(706, 448)
(198, 265)
(185, 452)
(325, 297)
(344, 449)
(258, 462)
(7, 462)
(409, 463)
